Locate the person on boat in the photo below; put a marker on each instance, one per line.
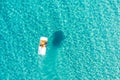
(43, 43)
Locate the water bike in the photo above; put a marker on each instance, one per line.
(42, 46)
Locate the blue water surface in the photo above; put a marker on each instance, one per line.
(84, 39)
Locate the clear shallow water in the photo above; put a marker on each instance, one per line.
(90, 50)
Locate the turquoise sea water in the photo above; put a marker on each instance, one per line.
(89, 51)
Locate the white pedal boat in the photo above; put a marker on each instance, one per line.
(42, 46)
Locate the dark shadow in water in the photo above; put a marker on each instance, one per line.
(58, 36)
